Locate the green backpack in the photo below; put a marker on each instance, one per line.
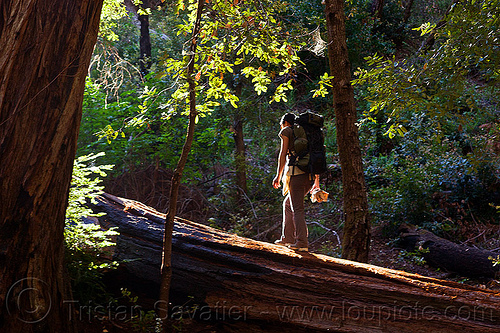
(309, 153)
(299, 156)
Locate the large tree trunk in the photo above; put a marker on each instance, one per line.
(240, 280)
(356, 242)
(46, 50)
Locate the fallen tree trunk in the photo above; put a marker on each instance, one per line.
(239, 279)
(439, 252)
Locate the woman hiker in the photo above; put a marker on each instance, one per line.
(296, 185)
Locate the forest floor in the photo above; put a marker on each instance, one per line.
(384, 252)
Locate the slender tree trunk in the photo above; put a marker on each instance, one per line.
(166, 267)
(46, 50)
(238, 136)
(356, 240)
(240, 160)
(240, 156)
(428, 43)
(145, 45)
(377, 8)
(408, 5)
(145, 37)
(398, 40)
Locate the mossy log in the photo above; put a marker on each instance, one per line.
(242, 280)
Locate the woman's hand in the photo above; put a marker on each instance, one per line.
(315, 185)
(276, 182)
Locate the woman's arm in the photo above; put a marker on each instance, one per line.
(316, 184)
(281, 161)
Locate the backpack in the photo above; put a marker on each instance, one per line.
(309, 153)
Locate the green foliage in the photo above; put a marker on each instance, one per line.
(367, 34)
(86, 243)
(496, 261)
(140, 129)
(416, 256)
(112, 11)
(244, 41)
(324, 85)
(239, 40)
(304, 13)
(87, 259)
(436, 81)
(141, 321)
(428, 181)
(331, 249)
(428, 11)
(240, 225)
(83, 187)
(428, 159)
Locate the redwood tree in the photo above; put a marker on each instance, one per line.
(356, 242)
(46, 50)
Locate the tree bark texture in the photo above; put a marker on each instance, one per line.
(166, 267)
(241, 280)
(46, 51)
(356, 242)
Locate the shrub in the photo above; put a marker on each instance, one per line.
(86, 242)
(428, 181)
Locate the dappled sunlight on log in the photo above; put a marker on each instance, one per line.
(246, 280)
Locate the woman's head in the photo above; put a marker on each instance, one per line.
(289, 117)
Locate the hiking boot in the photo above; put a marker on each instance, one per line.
(298, 247)
(281, 242)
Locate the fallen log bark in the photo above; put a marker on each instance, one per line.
(239, 279)
(441, 253)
